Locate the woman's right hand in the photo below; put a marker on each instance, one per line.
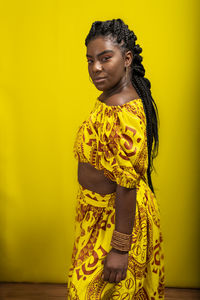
(115, 266)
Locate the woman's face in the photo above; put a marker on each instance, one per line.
(106, 64)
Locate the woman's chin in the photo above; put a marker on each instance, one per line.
(99, 88)
(102, 87)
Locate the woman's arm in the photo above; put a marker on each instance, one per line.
(125, 205)
(116, 262)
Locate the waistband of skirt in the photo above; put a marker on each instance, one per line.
(100, 200)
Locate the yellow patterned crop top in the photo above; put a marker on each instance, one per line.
(113, 139)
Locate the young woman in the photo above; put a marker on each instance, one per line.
(117, 251)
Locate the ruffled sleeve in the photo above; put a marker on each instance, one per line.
(120, 146)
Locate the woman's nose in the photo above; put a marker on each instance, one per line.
(97, 66)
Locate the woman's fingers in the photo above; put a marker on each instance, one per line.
(112, 277)
(124, 274)
(118, 277)
(106, 274)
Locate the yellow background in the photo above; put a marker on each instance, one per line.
(45, 93)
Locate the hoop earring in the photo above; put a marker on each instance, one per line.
(127, 73)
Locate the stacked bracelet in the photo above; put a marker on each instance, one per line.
(121, 241)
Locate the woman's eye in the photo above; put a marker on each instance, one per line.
(106, 58)
(89, 61)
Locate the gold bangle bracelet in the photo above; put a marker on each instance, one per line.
(121, 241)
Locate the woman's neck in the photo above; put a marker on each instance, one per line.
(123, 87)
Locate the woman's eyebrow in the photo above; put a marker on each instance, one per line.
(104, 52)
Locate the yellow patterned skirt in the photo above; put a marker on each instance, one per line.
(94, 225)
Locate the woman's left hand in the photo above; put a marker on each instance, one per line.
(115, 266)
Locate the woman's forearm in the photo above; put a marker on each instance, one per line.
(125, 206)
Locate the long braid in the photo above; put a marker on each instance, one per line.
(125, 38)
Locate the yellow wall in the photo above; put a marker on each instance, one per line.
(45, 93)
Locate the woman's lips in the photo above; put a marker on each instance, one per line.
(99, 80)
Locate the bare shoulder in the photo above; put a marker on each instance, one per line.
(115, 100)
(120, 99)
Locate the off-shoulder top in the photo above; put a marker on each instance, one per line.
(113, 139)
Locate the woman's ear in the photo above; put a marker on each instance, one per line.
(128, 58)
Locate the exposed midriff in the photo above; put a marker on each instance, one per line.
(94, 179)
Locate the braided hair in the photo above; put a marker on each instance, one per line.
(120, 34)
